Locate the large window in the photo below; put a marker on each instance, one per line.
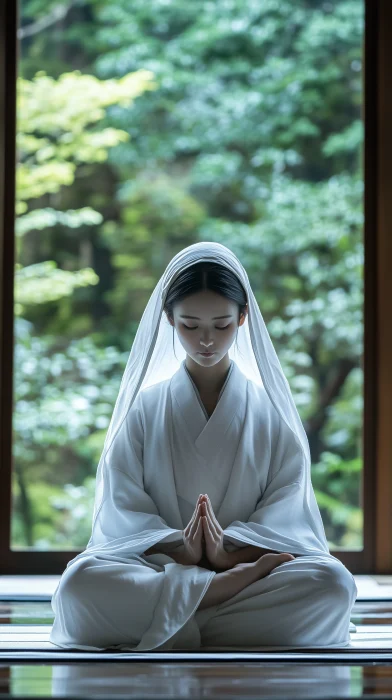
(143, 128)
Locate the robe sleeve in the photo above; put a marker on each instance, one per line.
(286, 517)
(128, 521)
(165, 595)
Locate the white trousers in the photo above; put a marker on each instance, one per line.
(100, 604)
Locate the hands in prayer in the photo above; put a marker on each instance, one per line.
(203, 537)
(203, 545)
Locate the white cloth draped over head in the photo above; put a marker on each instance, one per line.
(286, 517)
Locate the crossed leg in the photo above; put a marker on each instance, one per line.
(305, 602)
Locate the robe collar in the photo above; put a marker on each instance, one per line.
(197, 391)
(208, 435)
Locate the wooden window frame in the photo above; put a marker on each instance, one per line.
(376, 556)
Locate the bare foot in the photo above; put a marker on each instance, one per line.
(228, 583)
(253, 571)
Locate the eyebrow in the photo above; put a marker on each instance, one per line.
(214, 317)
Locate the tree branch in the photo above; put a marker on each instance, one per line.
(58, 12)
(330, 392)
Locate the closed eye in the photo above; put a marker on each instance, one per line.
(193, 328)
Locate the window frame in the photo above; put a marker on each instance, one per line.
(376, 555)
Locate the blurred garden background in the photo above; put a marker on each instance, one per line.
(143, 127)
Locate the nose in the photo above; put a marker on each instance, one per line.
(207, 345)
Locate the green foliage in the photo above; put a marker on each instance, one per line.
(337, 487)
(65, 392)
(55, 127)
(235, 121)
(158, 218)
(56, 134)
(44, 282)
(39, 219)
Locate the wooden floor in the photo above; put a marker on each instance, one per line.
(31, 666)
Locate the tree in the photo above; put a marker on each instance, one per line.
(252, 136)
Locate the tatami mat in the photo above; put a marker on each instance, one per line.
(27, 598)
(36, 638)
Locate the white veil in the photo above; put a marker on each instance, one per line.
(152, 359)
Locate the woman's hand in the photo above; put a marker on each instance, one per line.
(213, 536)
(192, 538)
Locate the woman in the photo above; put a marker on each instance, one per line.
(206, 531)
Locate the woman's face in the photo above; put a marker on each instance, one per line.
(212, 329)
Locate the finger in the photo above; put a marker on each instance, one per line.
(211, 524)
(215, 519)
(210, 508)
(211, 516)
(199, 530)
(190, 528)
(197, 509)
(195, 522)
(207, 528)
(192, 520)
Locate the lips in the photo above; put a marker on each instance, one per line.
(206, 354)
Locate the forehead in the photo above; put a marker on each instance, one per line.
(206, 302)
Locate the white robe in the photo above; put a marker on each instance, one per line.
(250, 464)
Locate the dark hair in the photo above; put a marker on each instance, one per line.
(205, 275)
